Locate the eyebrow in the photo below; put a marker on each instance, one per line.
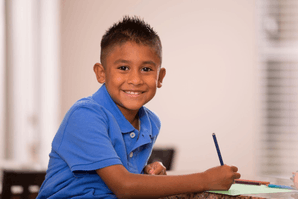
(121, 61)
(127, 62)
(149, 62)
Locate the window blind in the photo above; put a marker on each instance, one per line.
(278, 55)
(31, 93)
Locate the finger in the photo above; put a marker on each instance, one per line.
(235, 169)
(237, 175)
(148, 168)
(158, 168)
(162, 172)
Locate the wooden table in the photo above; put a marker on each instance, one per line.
(289, 195)
(209, 196)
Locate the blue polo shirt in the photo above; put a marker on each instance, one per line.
(94, 134)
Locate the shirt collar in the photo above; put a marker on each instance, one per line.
(103, 98)
(146, 127)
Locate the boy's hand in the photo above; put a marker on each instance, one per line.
(295, 179)
(155, 168)
(221, 177)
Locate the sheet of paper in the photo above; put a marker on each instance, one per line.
(241, 189)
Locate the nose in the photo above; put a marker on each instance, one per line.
(135, 78)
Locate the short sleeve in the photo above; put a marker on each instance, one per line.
(85, 144)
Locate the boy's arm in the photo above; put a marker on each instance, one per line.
(128, 185)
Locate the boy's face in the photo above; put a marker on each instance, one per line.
(131, 73)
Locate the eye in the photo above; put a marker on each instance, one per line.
(123, 68)
(146, 69)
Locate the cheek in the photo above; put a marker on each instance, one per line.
(115, 79)
(151, 80)
(118, 79)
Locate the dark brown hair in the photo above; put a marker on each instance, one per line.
(131, 29)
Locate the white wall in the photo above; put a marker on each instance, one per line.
(2, 77)
(211, 82)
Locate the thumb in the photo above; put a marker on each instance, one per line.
(148, 169)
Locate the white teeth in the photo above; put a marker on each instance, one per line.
(132, 93)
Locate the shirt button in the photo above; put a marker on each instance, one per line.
(132, 135)
(131, 154)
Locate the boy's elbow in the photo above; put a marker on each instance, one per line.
(122, 192)
(121, 182)
(123, 195)
(125, 190)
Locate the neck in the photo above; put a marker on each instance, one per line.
(131, 115)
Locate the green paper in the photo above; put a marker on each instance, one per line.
(241, 189)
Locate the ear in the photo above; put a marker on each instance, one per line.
(162, 74)
(100, 73)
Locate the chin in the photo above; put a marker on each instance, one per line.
(133, 105)
(133, 108)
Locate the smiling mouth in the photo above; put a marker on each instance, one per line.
(133, 92)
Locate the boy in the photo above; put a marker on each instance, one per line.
(104, 141)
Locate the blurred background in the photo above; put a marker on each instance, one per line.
(232, 69)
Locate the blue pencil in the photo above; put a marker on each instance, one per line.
(217, 149)
(279, 186)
